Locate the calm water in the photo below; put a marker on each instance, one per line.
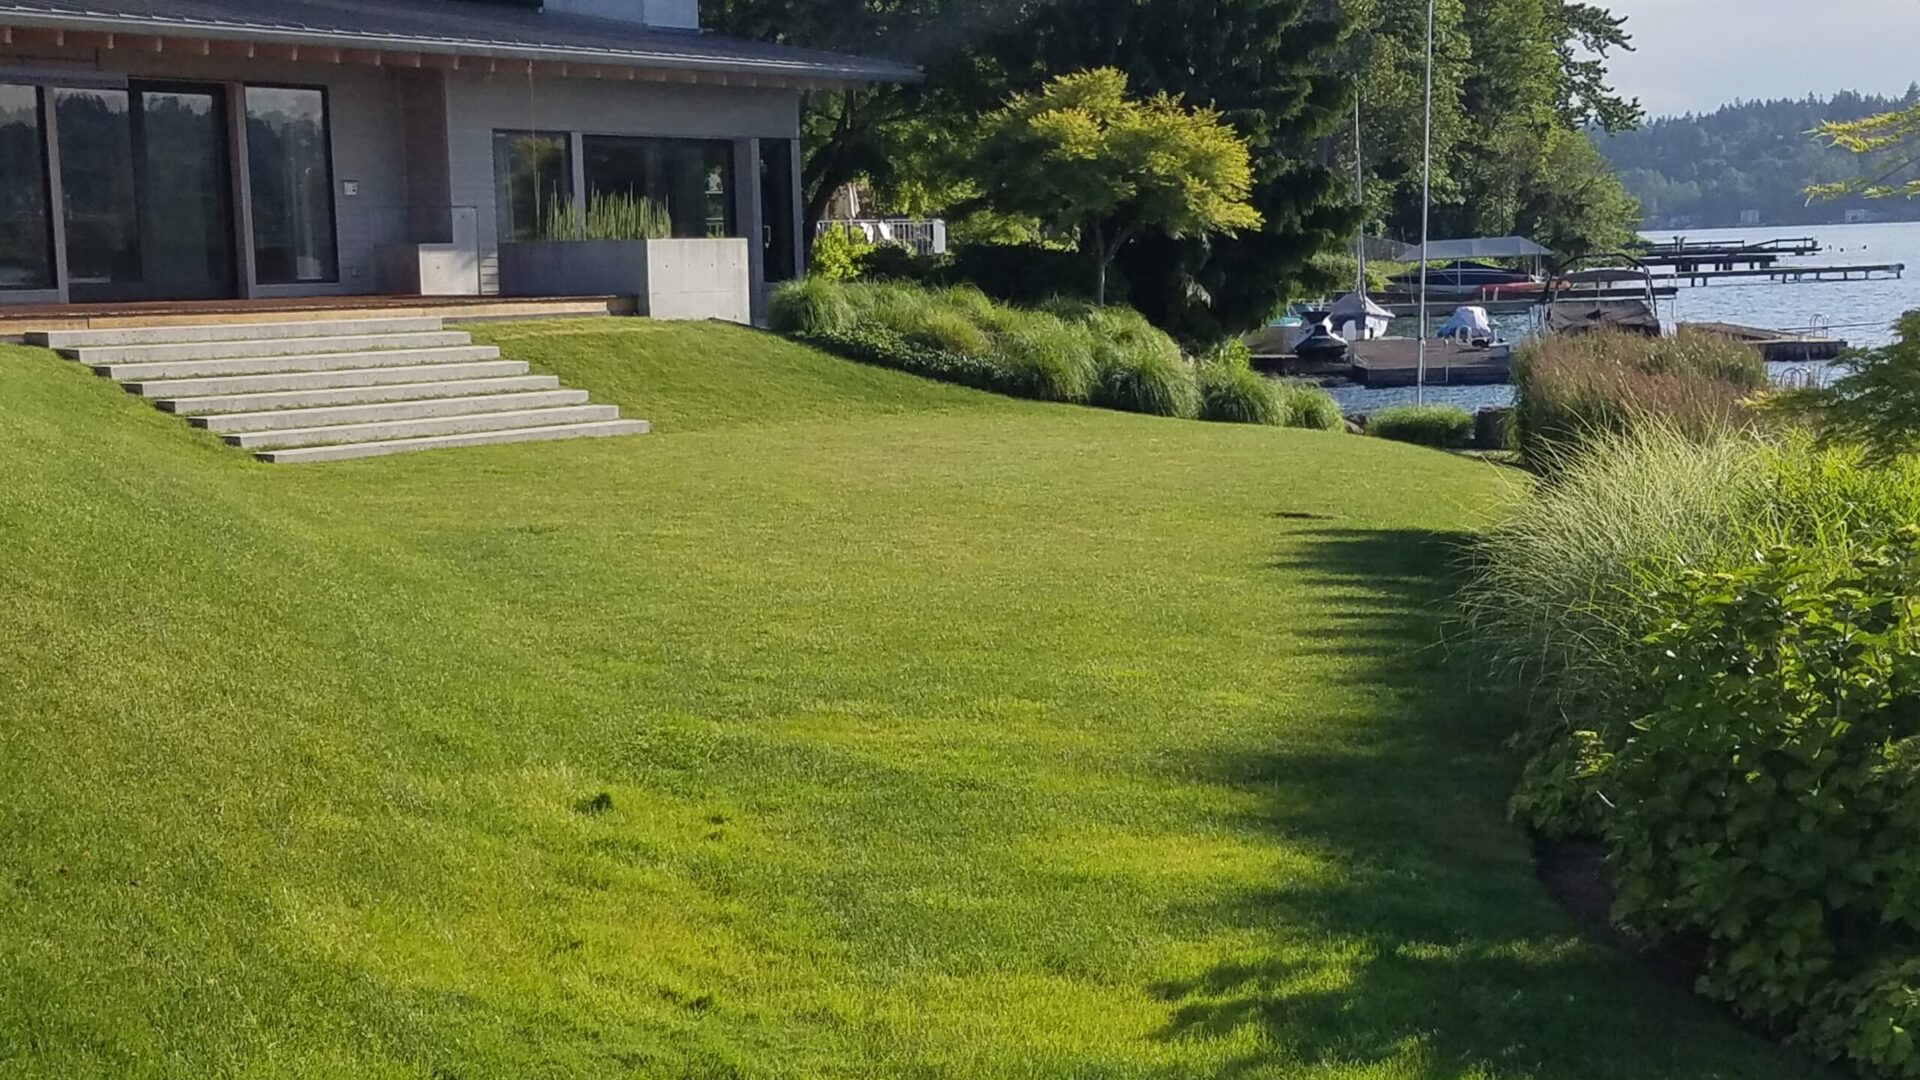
(1862, 312)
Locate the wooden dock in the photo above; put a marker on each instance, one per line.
(1777, 346)
(1727, 255)
(1789, 275)
(1388, 362)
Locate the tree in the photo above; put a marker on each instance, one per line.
(1892, 135)
(1086, 159)
(1270, 69)
(848, 135)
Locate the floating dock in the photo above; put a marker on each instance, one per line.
(1777, 346)
(1389, 362)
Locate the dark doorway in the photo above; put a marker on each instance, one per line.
(147, 192)
(777, 209)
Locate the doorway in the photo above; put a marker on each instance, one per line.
(147, 192)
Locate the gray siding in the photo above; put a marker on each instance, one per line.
(481, 104)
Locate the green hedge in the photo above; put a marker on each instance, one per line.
(1068, 351)
(1443, 426)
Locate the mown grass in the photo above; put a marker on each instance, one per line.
(851, 726)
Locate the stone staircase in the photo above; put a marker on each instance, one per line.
(336, 389)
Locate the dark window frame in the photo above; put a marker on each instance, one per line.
(333, 181)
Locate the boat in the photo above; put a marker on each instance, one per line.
(1466, 279)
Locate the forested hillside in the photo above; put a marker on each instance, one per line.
(1706, 170)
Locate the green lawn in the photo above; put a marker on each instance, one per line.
(849, 726)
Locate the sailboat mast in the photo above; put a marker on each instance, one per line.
(1360, 200)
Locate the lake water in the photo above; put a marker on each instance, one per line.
(1861, 312)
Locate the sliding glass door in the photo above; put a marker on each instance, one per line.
(26, 230)
(147, 202)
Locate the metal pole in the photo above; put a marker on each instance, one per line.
(1426, 216)
(1359, 196)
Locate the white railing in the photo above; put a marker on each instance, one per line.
(924, 237)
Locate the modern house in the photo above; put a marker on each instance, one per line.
(163, 150)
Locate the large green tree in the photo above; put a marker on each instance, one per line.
(1512, 78)
(1085, 158)
(1269, 67)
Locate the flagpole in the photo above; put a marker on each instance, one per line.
(1426, 215)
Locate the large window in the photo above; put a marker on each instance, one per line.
(532, 179)
(290, 163)
(690, 179)
(26, 234)
(96, 181)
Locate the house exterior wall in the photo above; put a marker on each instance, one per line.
(479, 105)
(412, 149)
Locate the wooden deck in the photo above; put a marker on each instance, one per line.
(16, 320)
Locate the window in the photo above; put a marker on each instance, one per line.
(26, 234)
(96, 181)
(532, 177)
(691, 179)
(290, 165)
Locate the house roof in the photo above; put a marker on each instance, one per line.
(450, 27)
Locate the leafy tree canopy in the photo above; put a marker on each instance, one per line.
(1087, 159)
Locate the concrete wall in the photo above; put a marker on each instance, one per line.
(673, 279)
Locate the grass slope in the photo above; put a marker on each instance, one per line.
(852, 726)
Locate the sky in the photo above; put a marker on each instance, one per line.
(1696, 55)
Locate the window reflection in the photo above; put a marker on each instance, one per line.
(96, 182)
(290, 165)
(26, 238)
(691, 179)
(532, 179)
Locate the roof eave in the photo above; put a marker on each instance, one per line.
(825, 76)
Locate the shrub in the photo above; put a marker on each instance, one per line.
(837, 253)
(1308, 405)
(1444, 426)
(1768, 795)
(1145, 381)
(811, 308)
(895, 261)
(1239, 395)
(1570, 389)
(1050, 359)
(1876, 404)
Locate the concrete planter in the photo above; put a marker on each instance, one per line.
(673, 279)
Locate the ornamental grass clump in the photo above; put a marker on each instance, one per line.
(1068, 352)
(1571, 389)
(1308, 405)
(1232, 394)
(1442, 426)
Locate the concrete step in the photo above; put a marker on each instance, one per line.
(267, 365)
(94, 356)
(324, 380)
(255, 404)
(256, 331)
(600, 430)
(286, 419)
(386, 430)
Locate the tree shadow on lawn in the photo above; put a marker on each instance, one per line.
(1429, 942)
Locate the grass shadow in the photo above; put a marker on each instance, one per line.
(1451, 959)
